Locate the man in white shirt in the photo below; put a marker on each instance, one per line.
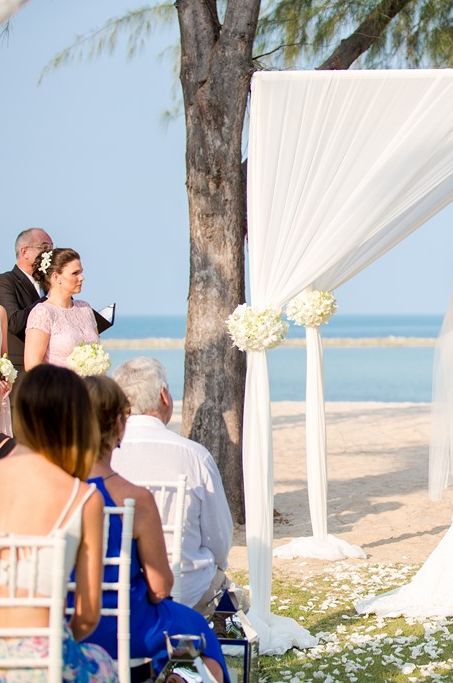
(151, 451)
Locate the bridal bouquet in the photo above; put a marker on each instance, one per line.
(7, 370)
(89, 359)
(312, 308)
(256, 329)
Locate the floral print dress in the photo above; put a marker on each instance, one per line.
(83, 663)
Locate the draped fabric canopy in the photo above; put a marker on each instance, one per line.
(342, 166)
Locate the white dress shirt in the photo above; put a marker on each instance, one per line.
(35, 284)
(151, 451)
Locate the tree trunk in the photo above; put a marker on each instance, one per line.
(216, 67)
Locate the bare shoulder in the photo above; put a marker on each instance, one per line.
(121, 488)
(94, 506)
(141, 495)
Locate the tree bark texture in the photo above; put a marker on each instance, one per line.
(216, 67)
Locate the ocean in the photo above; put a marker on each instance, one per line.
(377, 373)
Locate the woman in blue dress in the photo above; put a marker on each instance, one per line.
(152, 611)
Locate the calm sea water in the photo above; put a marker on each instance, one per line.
(351, 374)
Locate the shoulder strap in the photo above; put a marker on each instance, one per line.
(88, 493)
(67, 506)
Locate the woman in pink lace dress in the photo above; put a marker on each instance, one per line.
(56, 326)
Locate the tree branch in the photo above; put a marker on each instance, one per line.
(276, 49)
(366, 34)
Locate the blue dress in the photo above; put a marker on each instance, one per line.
(148, 621)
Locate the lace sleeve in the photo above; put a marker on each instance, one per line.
(39, 319)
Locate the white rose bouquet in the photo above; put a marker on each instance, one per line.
(89, 359)
(312, 308)
(7, 370)
(256, 329)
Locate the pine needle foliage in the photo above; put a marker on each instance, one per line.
(136, 27)
(296, 33)
(301, 33)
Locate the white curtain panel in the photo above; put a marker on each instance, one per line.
(342, 165)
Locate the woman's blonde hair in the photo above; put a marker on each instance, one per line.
(109, 402)
(53, 415)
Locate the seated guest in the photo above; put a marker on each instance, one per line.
(42, 490)
(151, 451)
(152, 612)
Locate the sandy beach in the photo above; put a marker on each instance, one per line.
(378, 475)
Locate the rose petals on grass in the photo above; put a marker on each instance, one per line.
(354, 647)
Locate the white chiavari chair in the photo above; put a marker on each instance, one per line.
(21, 554)
(170, 499)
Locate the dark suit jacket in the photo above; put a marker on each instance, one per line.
(18, 296)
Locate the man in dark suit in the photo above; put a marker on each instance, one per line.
(19, 292)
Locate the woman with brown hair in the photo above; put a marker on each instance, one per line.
(42, 489)
(56, 326)
(152, 611)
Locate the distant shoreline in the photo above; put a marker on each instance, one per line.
(337, 342)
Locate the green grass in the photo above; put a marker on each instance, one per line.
(352, 647)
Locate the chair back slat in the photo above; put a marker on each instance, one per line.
(15, 550)
(33, 575)
(171, 495)
(121, 586)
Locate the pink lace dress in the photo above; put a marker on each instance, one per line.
(67, 328)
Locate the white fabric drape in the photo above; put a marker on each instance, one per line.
(341, 167)
(441, 446)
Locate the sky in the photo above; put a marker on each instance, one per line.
(86, 155)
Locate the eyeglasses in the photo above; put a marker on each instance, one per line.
(39, 247)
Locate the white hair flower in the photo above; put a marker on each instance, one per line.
(312, 308)
(46, 260)
(256, 329)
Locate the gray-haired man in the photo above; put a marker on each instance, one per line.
(19, 293)
(152, 451)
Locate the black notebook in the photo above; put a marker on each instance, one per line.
(105, 317)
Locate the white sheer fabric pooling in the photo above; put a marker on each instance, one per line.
(428, 594)
(341, 167)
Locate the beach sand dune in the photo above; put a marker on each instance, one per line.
(378, 477)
